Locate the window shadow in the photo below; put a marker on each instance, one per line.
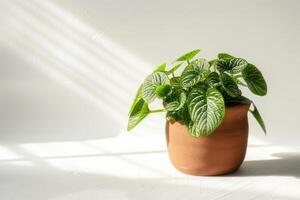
(35, 108)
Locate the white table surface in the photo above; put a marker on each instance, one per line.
(136, 166)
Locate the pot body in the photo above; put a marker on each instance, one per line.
(221, 152)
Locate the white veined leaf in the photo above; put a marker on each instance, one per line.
(177, 104)
(230, 85)
(193, 130)
(213, 78)
(150, 84)
(175, 82)
(238, 65)
(234, 65)
(207, 109)
(195, 72)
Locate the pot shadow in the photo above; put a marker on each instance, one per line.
(284, 164)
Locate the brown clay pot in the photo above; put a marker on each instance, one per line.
(221, 152)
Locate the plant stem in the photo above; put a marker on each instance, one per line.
(158, 110)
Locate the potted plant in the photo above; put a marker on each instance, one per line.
(207, 124)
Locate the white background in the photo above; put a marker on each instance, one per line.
(70, 68)
(33, 104)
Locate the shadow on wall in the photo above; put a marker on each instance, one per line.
(287, 164)
(62, 80)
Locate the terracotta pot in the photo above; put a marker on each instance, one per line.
(220, 153)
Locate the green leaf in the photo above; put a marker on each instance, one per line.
(184, 111)
(139, 111)
(255, 80)
(173, 116)
(225, 56)
(150, 84)
(240, 82)
(176, 103)
(258, 118)
(189, 55)
(230, 85)
(212, 62)
(161, 68)
(138, 96)
(195, 72)
(238, 65)
(213, 78)
(174, 68)
(201, 64)
(192, 129)
(234, 65)
(237, 100)
(175, 82)
(162, 91)
(207, 109)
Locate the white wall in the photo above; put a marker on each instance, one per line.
(70, 68)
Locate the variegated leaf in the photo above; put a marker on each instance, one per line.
(177, 103)
(150, 84)
(193, 130)
(213, 78)
(230, 85)
(206, 108)
(234, 65)
(195, 72)
(175, 82)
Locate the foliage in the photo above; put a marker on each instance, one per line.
(199, 95)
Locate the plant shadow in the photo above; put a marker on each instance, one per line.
(284, 164)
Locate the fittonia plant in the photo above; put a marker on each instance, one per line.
(198, 96)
